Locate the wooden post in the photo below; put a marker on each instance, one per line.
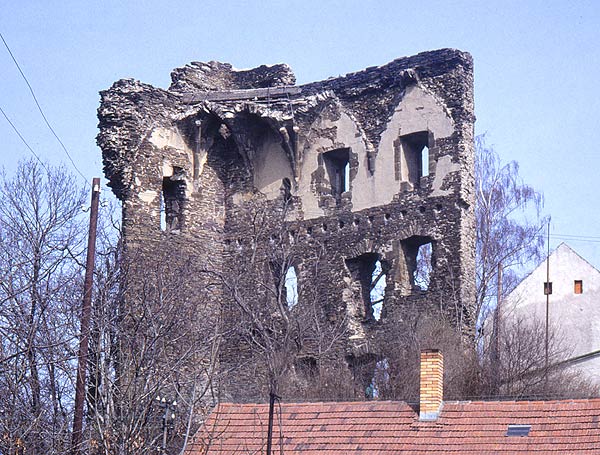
(86, 312)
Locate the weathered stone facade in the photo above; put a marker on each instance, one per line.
(353, 173)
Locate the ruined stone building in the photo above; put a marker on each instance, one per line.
(330, 193)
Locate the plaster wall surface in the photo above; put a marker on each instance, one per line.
(574, 317)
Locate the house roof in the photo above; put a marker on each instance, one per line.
(385, 427)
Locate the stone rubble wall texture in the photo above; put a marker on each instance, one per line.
(221, 163)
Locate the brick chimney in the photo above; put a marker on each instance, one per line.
(432, 384)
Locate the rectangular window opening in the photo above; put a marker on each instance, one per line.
(291, 287)
(578, 285)
(422, 273)
(415, 150)
(337, 165)
(548, 288)
(425, 162)
(172, 201)
(368, 274)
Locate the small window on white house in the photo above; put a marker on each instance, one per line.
(578, 286)
(548, 288)
(291, 287)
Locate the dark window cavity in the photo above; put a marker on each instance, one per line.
(548, 288)
(307, 367)
(286, 189)
(578, 286)
(337, 165)
(172, 201)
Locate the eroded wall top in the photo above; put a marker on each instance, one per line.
(350, 142)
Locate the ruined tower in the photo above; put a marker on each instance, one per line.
(352, 195)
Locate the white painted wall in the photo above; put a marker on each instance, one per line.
(575, 316)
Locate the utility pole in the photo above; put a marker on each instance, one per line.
(272, 398)
(86, 312)
(496, 333)
(168, 417)
(548, 291)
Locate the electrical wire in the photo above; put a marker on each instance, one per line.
(41, 111)
(23, 139)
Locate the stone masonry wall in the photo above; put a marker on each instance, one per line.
(227, 169)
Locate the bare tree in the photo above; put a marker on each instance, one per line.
(41, 237)
(155, 353)
(508, 224)
(282, 320)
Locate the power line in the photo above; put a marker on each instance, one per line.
(23, 139)
(41, 112)
(577, 236)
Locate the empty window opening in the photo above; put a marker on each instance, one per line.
(369, 282)
(377, 295)
(286, 189)
(518, 430)
(422, 273)
(291, 287)
(172, 201)
(415, 153)
(307, 367)
(548, 288)
(163, 217)
(380, 379)
(362, 368)
(415, 265)
(337, 164)
(425, 161)
(578, 285)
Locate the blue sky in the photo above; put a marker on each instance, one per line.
(537, 65)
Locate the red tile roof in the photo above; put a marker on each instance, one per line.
(384, 427)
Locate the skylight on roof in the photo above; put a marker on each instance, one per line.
(518, 430)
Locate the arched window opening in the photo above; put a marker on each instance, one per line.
(415, 264)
